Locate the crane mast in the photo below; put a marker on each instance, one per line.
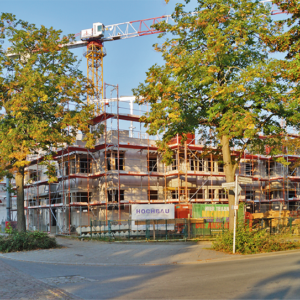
(94, 38)
(94, 58)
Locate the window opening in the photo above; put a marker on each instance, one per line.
(192, 164)
(198, 195)
(270, 168)
(153, 195)
(82, 197)
(220, 167)
(174, 164)
(291, 170)
(70, 167)
(250, 195)
(222, 194)
(121, 159)
(84, 165)
(108, 161)
(113, 199)
(291, 194)
(174, 194)
(152, 164)
(35, 175)
(248, 169)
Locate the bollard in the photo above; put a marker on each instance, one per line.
(80, 232)
(166, 229)
(185, 228)
(100, 229)
(109, 229)
(147, 230)
(91, 232)
(128, 229)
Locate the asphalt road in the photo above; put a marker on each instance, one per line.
(254, 277)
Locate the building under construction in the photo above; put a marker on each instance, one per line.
(125, 168)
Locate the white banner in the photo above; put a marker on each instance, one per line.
(152, 211)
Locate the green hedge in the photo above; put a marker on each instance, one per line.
(22, 241)
(253, 241)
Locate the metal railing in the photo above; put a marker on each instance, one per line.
(283, 225)
(172, 229)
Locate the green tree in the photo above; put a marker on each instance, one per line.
(218, 79)
(287, 42)
(42, 97)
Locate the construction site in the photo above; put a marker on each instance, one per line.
(125, 168)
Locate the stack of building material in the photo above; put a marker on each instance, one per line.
(296, 226)
(296, 222)
(257, 215)
(276, 215)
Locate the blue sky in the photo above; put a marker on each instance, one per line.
(127, 60)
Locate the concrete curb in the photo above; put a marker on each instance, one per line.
(85, 239)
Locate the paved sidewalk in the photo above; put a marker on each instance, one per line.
(77, 252)
(17, 285)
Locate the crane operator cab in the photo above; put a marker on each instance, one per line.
(96, 32)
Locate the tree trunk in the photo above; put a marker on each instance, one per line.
(20, 200)
(229, 175)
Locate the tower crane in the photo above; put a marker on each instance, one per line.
(94, 38)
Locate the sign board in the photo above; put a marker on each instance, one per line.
(235, 207)
(152, 211)
(215, 216)
(245, 180)
(239, 189)
(228, 185)
(231, 186)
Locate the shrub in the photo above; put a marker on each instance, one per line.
(252, 241)
(8, 228)
(22, 241)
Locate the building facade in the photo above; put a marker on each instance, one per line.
(125, 168)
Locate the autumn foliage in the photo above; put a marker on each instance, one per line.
(42, 97)
(220, 80)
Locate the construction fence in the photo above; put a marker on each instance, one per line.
(179, 229)
(152, 229)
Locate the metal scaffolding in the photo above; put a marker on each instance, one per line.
(126, 168)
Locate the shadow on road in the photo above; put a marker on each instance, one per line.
(285, 285)
(98, 253)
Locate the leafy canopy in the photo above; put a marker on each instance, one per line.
(289, 40)
(218, 78)
(42, 93)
